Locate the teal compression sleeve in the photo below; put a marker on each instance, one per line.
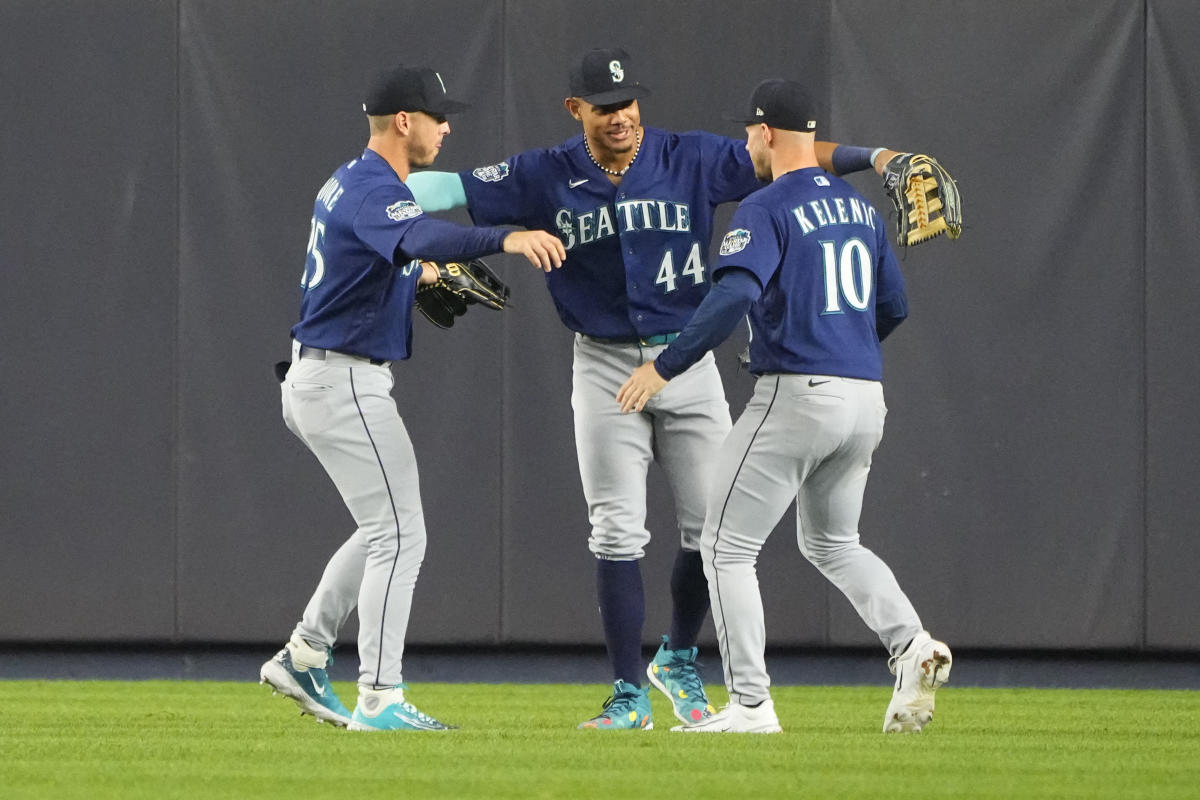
(437, 191)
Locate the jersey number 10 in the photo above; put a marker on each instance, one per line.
(849, 276)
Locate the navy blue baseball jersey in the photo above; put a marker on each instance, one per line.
(822, 255)
(657, 223)
(361, 272)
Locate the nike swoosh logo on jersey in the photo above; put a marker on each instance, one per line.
(580, 182)
(811, 382)
(319, 689)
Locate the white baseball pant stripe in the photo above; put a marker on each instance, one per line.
(342, 409)
(812, 445)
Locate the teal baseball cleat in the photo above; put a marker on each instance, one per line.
(627, 709)
(308, 686)
(673, 672)
(387, 710)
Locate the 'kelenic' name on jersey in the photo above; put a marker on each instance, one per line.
(827, 211)
(824, 261)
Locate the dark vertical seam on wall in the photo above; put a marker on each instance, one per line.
(1145, 322)
(827, 592)
(504, 363)
(175, 345)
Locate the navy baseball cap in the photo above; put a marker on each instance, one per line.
(781, 104)
(402, 88)
(603, 78)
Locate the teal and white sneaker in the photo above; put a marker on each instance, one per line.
(387, 710)
(299, 671)
(627, 709)
(673, 672)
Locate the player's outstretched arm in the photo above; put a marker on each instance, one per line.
(437, 191)
(544, 250)
(842, 159)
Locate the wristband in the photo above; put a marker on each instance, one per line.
(847, 159)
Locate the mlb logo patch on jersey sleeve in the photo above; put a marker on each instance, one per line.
(735, 241)
(496, 172)
(404, 209)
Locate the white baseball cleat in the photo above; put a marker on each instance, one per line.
(920, 670)
(736, 718)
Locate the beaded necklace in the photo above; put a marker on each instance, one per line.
(617, 172)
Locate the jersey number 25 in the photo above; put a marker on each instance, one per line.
(316, 238)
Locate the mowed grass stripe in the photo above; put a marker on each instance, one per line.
(101, 739)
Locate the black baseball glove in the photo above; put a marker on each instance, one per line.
(459, 285)
(925, 196)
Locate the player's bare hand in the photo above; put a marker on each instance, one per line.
(882, 158)
(544, 250)
(644, 383)
(429, 274)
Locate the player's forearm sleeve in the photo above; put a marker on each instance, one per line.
(889, 314)
(439, 240)
(727, 302)
(847, 159)
(437, 191)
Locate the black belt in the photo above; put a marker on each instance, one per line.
(645, 341)
(318, 354)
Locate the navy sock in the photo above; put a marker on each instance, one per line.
(623, 612)
(689, 595)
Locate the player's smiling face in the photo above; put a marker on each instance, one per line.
(611, 130)
(425, 137)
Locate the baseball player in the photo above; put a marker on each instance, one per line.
(359, 281)
(809, 259)
(634, 207)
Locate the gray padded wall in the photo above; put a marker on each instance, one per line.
(88, 303)
(261, 129)
(1009, 483)
(1172, 295)
(1034, 487)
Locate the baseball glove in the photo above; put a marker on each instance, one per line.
(925, 196)
(459, 285)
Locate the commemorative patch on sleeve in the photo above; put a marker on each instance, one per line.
(404, 209)
(496, 172)
(735, 241)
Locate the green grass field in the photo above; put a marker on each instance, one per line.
(158, 739)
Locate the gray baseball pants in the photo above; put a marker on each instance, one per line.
(812, 445)
(342, 409)
(681, 428)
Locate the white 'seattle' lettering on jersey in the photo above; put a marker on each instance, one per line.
(637, 254)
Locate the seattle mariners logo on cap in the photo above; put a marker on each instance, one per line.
(404, 209)
(496, 172)
(735, 241)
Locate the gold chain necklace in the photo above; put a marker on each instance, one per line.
(617, 172)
